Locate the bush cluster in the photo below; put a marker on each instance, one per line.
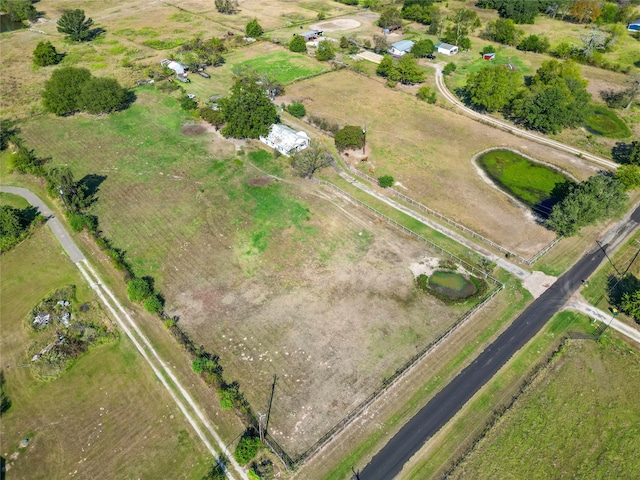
(73, 89)
(324, 124)
(297, 109)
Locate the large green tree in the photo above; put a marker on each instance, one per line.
(557, 98)
(61, 183)
(253, 29)
(390, 17)
(422, 48)
(19, 10)
(308, 161)
(503, 30)
(325, 51)
(630, 304)
(248, 111)
(493, 87)
(75, 25)
(596, 199)
(409, 72)
(102, 95)
(298, 44)
(62, 90)
(465, 21)
(387, 68)
(521, 11)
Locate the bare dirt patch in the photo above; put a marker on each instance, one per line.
(193, 129)
(331, 320)
(260, 181)
(336, 25)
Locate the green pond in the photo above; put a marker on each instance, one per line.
(538, 186)
(451, 284)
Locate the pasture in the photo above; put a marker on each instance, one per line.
(579, 420)
(429, 153)
(107, 416)
(532, 183)
(254, 271)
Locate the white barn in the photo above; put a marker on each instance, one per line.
(285, 139)
(447, 49)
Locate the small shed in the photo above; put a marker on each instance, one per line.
(401, 48)
(285, 139)
(312, 35)
(446, 49)
(488, 56)
(634, 26)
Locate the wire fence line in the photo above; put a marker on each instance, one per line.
(457, 225)
(403, 370)
(435, 246)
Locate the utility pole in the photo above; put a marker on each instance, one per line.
(273, 388)
(364, 138)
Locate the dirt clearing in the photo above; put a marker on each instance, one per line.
(336, 25)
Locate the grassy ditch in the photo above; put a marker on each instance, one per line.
(486, 407)
(606, 123)
(536, 185)
(539, 436)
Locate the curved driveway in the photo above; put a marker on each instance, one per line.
(511, 129)
(56, 227)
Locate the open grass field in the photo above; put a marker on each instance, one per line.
(276, 279)
(424, 152)
(530, 182)
(606, 123)
(281, 64)
(107, 416)
(579, 420)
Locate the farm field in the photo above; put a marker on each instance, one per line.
(106, 416)
(424, 153)
(579, 420)
(254, 269)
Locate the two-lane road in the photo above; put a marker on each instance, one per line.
(388, 462)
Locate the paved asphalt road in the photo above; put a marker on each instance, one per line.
(388, 462)
(55, 225)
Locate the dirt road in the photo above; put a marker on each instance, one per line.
(450, 97)
(178, 393)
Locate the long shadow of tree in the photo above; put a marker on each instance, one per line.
(617, 288)
(91, 184)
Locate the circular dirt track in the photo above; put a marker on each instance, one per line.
(335, 25)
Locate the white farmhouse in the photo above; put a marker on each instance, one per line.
(285, 139)
(400, 48)
(446, 48)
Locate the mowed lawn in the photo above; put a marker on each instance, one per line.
(263, 57)
(580, 421)
(105, 417)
